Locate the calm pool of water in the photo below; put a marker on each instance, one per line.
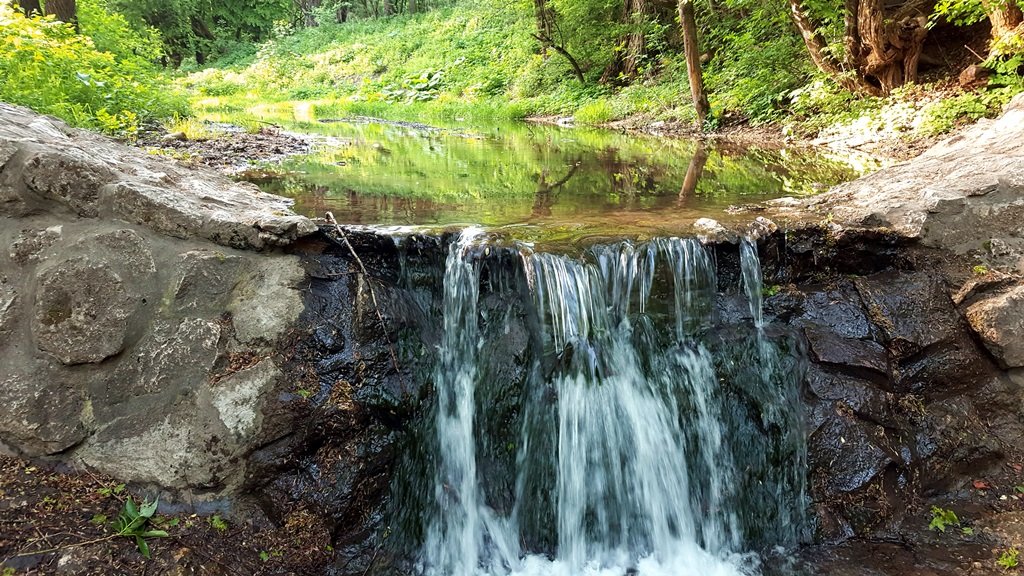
(373, 172)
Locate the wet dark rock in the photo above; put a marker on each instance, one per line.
(912, 311)
(830, 348)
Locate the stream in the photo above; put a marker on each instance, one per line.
(593, 411)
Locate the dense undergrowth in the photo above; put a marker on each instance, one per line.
(102, 78)
(480, 61)
(474, 60)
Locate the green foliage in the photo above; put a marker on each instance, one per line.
(110, 490)
(47, 66)
(959, 12)
(595, 112)
(133, 522)
(943, 115)
(1009, 559)
(942, 518)
(217, 523)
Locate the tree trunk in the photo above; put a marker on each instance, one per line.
(411, 7)
(1004, 16)
(688, 22)
(881, 51)
(636, 41)
(307, 12)
(341, 14)
(626, 64)
(64, 10)
(31, 7)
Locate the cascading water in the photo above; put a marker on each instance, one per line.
(631, 453)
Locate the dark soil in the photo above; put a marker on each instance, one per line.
(60, 523)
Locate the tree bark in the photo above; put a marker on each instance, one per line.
(64, 10)
(881, 51)
(688, 22)
(636, 41)
(411, 7)
(1005, 18)
(31, 7)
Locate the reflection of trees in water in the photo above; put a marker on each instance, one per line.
(546, 194)
(694, 171)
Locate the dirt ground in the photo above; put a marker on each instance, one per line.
(61, 523)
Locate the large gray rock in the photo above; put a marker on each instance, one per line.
(999, 322)
(268, 300)
(171, 361)
(124, 249)
(965, 194)
(239, 397)
(69, 176)
(28, 248)
(204, 280)
(81, 311)
(47, 165)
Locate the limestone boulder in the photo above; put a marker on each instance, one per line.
(267, 300)
(68, 176)
(30, 245)
(999, 321)
(203, 281)
(81, 311)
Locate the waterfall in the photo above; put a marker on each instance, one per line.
(631, 455)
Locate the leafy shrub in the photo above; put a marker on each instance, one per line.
(50, 68)
(595, 112)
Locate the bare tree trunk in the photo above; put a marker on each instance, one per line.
(411, 7)
(64, 10)
(31, 7)
(688, 22)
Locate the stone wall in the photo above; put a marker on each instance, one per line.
(142, 309)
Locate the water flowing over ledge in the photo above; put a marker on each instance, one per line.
(631, 453)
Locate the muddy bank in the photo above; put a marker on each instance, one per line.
(228, 148)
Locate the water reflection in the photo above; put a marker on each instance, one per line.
(382, 173)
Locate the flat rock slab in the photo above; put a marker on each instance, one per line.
(964, 194)
(49, 167)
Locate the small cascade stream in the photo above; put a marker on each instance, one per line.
(646, 439)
